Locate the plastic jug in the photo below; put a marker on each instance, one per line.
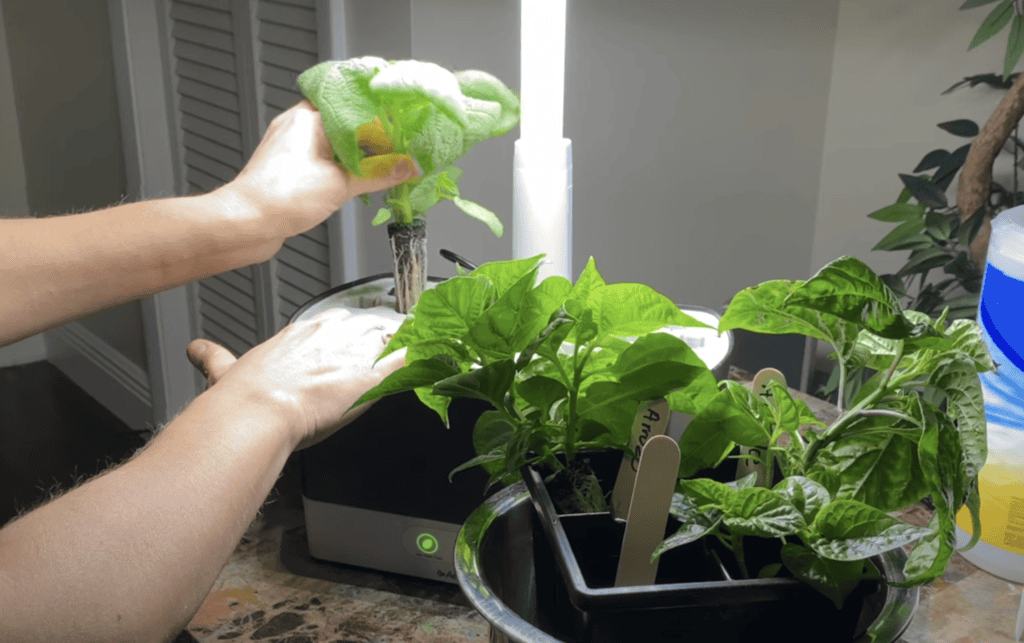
(1001, 481)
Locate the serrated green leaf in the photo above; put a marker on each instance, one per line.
(993, 23)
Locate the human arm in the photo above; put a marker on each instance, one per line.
(56, 269)
(131, 554)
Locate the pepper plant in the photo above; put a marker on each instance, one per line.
(566, 367)
(373, 108)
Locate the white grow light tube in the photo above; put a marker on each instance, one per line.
(542, 174)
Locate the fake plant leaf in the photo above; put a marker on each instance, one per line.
(1014, 45)
(900, 212)
(930, 161)
(939, 225)
(998, 18)
(924, 191)
(483, 86)
(921, 261)
(757, 511)
(806, 495)
(489, 382)
(874, 463)
(413, 375)
(950, 166)
(970, 4)
(960, 127)
(763, 309)
(852, 530)
(834, 579)
(480, 213)
(849, 289)
(504, 274)
(969, 229)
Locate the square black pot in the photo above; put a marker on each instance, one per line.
(694, 597)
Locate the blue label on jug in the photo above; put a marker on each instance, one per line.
(1002, 323)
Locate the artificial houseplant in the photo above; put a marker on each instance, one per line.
(372, 108)
(565, 367)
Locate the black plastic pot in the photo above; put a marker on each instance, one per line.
(695, 596)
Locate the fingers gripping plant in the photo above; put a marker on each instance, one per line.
(373, 109)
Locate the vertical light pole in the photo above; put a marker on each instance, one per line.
(543, 158)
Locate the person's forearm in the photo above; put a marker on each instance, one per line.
(56, 269)
(131, 554)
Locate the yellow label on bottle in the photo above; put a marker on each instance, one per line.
(1001, 486)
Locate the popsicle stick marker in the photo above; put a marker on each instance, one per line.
(648, 511)
(651, 419)
(761, 460)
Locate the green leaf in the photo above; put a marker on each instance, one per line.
(408, 81)
(504, 274)
(627, 309)
(924, 260)
(966, 407)
(834, 579)
(961, 127)
(695, 523)
(713, 431)
(513, 322)
(973, 504)
(488, 461)
(483, 86)
(924, 191)
(875, 465)
(490, 382)
(413, 375)
(437, 143)
(899, 212)
(1014, 45)
(852, 530)
(541, 391)
(931, 160)
(647, 382)
(703, 492)
(757, 511)
(993, 23)
(480, 213)
(491, 433)
(931, 554)
(451, 308)
(382, 217)
(806, 495)
(425, 194)
(909, 232)
(849, 289)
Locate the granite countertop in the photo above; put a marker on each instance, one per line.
(272, 590)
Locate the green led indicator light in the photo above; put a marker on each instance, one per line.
(427, 543)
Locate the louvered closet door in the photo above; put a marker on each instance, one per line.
(286, 43)
(213, 112)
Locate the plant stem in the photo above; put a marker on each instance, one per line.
(737, 551)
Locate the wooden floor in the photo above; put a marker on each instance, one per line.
(52, 435)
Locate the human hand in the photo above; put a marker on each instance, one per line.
(307, 375)
(292, 181)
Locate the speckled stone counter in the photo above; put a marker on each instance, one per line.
(273, 591)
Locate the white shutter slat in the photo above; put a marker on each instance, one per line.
(213, 150)
(309, 246)
(204, 36)
(220, 135)
(241, 281)
(206, 74)
(204, 55)
(280, 77)
(308, 284)
(215, 332)
(285, 36)
(293, 59)
(308, 4)
(217, 17)
(241, 322)
(214, 168)
(201, 182)
(318, 234)
(293, 296)
(293, 16)
(209, 94)
(213, 113)
(280, 98)
(310, 266)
